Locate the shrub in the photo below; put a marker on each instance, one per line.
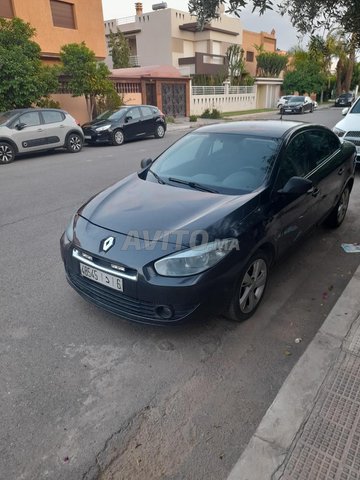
(193, 118)
(170, 119)
(211, 114)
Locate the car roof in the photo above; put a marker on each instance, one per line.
(264, 128)
(16, 111)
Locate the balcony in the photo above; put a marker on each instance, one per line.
(205, 63)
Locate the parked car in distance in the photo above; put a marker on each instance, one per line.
(345, 100)
(298, 104)
(198, 228)
(349, 127)
(282, 100)
(126, 123)
(35, 129)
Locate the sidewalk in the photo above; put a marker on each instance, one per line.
(183, 123)
(312, 429)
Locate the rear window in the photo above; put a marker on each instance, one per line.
(52, 116)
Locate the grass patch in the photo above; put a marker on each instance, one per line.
(247, 112)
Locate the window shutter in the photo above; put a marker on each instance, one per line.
(62, 14)
(6, 9)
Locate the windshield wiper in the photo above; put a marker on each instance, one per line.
(159, 179)
(196, 186)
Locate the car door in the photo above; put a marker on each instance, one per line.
(294, 216)
(329, 167)
(28, 132)
(133, 125)
(54, 127)
(148, 120)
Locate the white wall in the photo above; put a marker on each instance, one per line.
(223, 103)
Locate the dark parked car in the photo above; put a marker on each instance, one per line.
(344, 100)
(29, 130)
(199, 227)
(298, 104)
(125, 123)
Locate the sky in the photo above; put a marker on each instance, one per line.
(285, 33)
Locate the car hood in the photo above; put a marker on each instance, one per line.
(350, 122)
(97, 123)
(150, 211)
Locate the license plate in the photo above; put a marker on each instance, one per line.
(287, 110)
(87, 137)
(101, 277)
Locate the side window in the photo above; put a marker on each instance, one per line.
(30, 119)
(295, 161)
(134, 113)
(52, 116)
(322, 144)
(146, 112)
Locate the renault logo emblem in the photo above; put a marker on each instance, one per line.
(108, 243)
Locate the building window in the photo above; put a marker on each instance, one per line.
(6, 9)
(62, 14)
(249, 56)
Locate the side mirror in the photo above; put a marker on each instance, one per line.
(145, 163)
(20, 126)
(296, 186)
(127, 118)
(344, 111)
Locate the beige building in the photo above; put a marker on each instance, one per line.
(166, 36)
(169, 37)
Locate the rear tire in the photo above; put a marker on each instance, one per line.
(7, 153)
(159, 131)
(118, 138)
(338, 213)
(250, 288)
(74, 143)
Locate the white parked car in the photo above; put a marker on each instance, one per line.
(349, 127)
(282, 100)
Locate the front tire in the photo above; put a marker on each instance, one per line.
(159, 131)
(7, 153)
(250, 288)
(118, 138)
(74, 143)
(338, 213)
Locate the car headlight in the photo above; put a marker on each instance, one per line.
(69, 232)
(339, 132)
(195, 260)
(103, 128)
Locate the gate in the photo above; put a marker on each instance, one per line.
(174, 99)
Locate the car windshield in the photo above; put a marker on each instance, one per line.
(356, 107)
(112, 114)
(296, 99)
(4, 116)
(227, 163)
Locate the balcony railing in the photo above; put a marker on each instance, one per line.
(121, 21)
(134, 61)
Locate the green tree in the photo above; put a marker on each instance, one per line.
(86, 76)
(120, 49)
(24, 80)
(305, 77)
(236, 63)
(270, 64)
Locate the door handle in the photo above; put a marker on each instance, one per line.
(40, 129)
(314, 191)
(341, 171)
(62, 126)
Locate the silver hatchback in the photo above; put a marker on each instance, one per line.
(33, 130)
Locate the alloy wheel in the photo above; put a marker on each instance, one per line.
(118, 137)
(253, 285)
(160, 131)
(75, 143)
(343, 205)
(6, 153)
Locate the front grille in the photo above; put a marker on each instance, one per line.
(355, 134)
(123, 305)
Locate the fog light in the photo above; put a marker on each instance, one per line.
(164, 311)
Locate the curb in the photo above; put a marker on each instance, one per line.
(270, 444)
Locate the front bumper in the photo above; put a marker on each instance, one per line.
(92, 136)
(146, 296)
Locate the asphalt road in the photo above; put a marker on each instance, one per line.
(84, 392)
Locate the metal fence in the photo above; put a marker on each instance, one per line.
(222, 90)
